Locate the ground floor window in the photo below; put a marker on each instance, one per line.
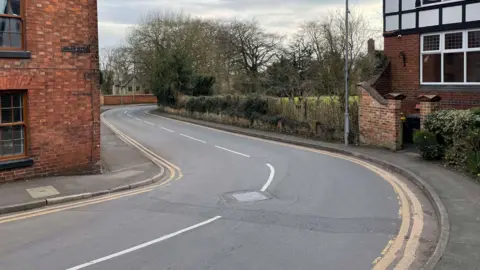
(12, 125)
(450, 58)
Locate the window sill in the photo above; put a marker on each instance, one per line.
(16, 164)
(450, 88)
(15, 54)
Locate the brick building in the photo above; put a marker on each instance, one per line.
(434, 49)
(49, 98)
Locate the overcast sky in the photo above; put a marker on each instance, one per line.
(281, 16)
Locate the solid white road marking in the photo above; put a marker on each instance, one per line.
(270, 178)
(169, 130)
(163, 238)
(148, 123)
(138, 119)
(192, 138)
(231, 151)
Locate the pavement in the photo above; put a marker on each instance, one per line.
(241, 203)
(122, 165)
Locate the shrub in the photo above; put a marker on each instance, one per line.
(255, 107)
(427, 144)
(449, 124)
(203, 86)
(472, 142)
(451, 128)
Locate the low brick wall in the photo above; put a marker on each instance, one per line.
(380, 124)
(131, 99)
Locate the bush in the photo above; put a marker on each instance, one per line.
(203, 86)
(472, 142)
(254, 107)
(451, 128)
(448, 125)
(428, 145)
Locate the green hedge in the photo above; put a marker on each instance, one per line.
(250, 107)
(457, 133)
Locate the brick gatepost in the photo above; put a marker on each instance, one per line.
(380, 118)
(428, 105)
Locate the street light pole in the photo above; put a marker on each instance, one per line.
(347, 100)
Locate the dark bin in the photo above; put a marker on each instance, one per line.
(411, 124)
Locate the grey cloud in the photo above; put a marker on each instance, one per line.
(279, 15)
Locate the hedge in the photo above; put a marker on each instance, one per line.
(457, 133)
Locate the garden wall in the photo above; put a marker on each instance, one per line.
(130, 99)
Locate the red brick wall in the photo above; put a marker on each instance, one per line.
(379, 124)
(63, 107)
(406, 79)
(137, 99)
(457, 99)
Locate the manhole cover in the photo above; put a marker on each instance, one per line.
(249, 196)
(42, 192)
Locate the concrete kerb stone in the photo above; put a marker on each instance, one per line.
(8, 209)
(22, 207)
(64, 199)
(120, 188)
(428, 190)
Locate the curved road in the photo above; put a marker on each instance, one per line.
(316, 211)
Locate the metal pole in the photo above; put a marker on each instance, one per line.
(347, 125)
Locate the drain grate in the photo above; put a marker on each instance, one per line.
(252, 196)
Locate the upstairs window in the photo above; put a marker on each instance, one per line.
(426, 2)
(451, 58)
(11, 25)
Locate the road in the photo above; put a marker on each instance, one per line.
(317, 210)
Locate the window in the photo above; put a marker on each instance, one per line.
(426, 2)
(11, 25)
(12, 125)
(138, 89)
(130, 89)
(451, 58)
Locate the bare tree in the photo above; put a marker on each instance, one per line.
(252, 49)
(326, 38)
(115, 64)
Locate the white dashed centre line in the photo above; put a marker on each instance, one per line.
(231, 151)
(148, 123)
(192, 138)
(169, 130)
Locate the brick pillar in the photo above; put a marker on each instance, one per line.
(380, 119)
(428, 105)
(394, 120)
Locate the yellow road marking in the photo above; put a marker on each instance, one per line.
(175, 174)
(389, 253)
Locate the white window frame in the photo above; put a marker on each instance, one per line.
(442, 51)
(439, 3)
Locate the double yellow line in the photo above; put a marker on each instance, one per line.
(174, 174)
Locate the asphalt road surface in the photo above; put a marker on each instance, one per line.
(242, 203)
